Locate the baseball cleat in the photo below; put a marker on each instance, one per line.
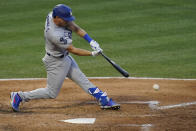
(15, 101)
(111, 105)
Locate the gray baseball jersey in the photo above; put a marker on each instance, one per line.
(57, 39)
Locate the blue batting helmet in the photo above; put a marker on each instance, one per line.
(64, 12)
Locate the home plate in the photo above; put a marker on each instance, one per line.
(80, 120)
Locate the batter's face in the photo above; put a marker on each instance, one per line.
(59, 21)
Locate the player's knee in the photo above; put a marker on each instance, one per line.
(52, 94)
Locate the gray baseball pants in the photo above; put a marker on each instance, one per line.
(57, 69)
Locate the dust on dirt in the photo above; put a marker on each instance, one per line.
(73, 102)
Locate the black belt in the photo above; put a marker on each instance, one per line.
(55, 56)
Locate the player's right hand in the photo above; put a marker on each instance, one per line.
(95, 45)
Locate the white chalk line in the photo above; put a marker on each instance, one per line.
(144, 127)
(141, 116)
(120, 102)
(152, 104)
(139, 102)
(134, 78)
(136, 125)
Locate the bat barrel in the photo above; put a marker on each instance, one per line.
(117, 67)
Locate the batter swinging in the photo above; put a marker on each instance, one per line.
(59, 64)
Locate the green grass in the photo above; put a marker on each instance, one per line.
(149, 38)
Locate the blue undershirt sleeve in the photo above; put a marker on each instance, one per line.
(87, 38)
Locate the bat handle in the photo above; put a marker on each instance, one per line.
(101, 53)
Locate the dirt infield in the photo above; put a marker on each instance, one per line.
(139, 109)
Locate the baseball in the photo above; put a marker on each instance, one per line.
(156, 87)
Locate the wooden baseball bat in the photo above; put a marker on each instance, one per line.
(117, 67)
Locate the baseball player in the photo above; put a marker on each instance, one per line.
(59, 64)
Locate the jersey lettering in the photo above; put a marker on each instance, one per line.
(47, 24)
(62, 39)
(68, 34)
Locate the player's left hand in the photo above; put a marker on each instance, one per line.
(96, 52)
(95, 45)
